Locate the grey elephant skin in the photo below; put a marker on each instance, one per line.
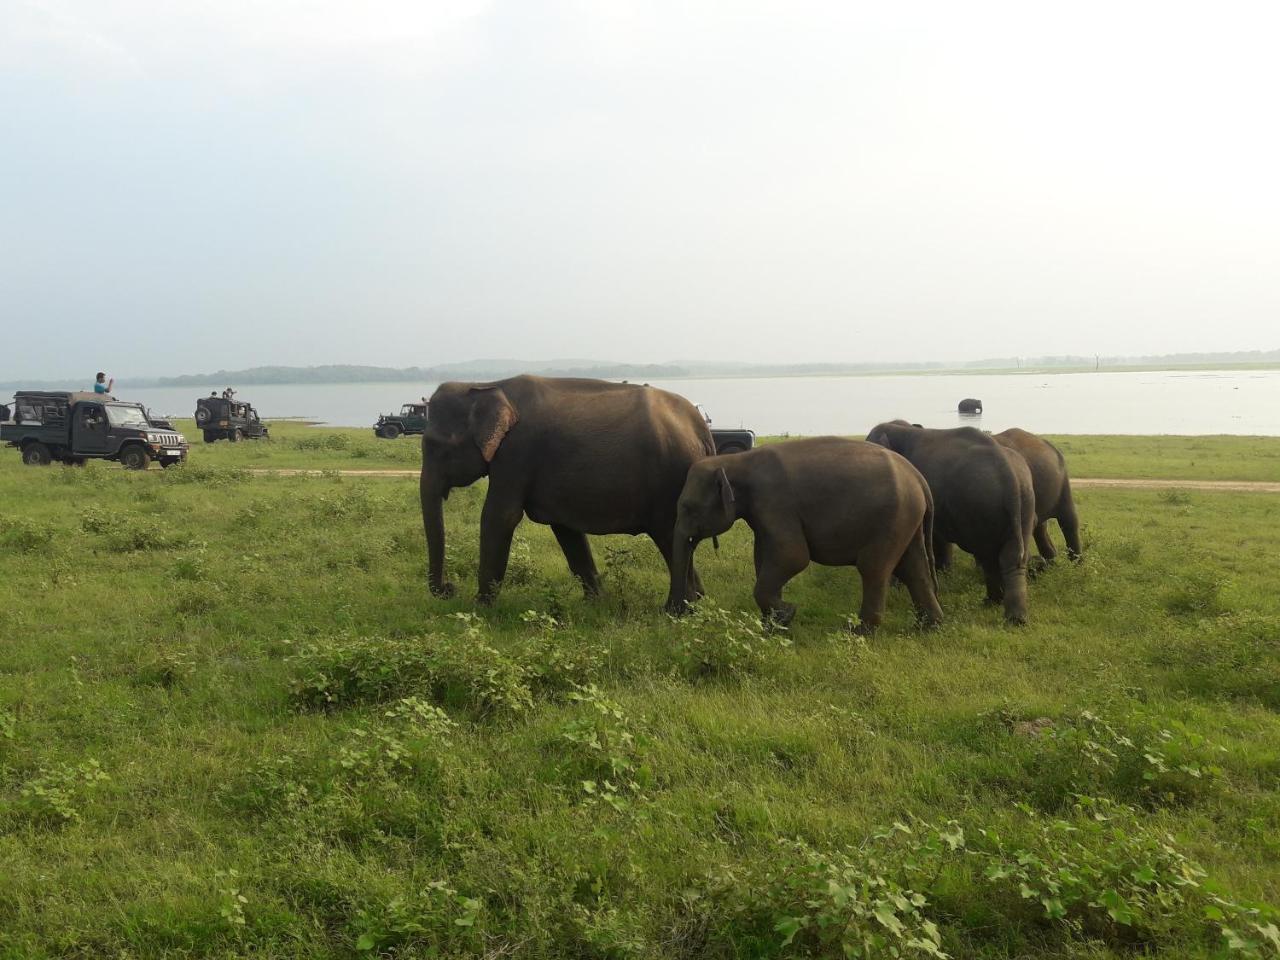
(828, 500)
(584, 456)
(1053, 490)
(985, 503)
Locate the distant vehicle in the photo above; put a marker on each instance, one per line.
(221, 418)
(75, 427)
(412, 419)
(729, 441)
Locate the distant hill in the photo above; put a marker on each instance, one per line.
(494, 368)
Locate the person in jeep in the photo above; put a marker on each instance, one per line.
(101, 384)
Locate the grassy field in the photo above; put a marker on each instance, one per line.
(296, 445)
(233, 723)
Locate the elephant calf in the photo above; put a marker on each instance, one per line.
(985, 502)
(830, 500)
(1052, 487)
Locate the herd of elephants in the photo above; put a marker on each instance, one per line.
(595, 457)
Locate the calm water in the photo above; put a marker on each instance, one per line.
(1148, 402)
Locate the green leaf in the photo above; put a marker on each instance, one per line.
(366, 942)
(888, 919)
(789, 927)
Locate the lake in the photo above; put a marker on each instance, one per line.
(1143, 402)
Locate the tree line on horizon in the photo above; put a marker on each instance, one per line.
(495, 369)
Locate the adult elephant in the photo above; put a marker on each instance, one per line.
(1052, 487)
(584, 456)
(984, 502)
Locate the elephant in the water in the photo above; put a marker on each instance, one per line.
(584, 456)
(970, 405)
(984, 499)
(828, 500)
(1053, 490)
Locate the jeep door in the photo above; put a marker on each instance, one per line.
(89, 429)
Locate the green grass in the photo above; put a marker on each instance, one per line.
(298, 446)
(232, 722)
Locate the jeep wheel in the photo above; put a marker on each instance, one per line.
(235, 436)
(731, 448)
(36, 455)
(391, 430)
(135, 457)
(203, 416)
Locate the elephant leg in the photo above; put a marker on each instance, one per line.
(577, 550)
(941, 554)
(875, 577)
(1043, 543)
(665, 542)
(777, 561)
(990, 566)
(498, 522)
(913, 570)
(1070, 525)
(1013, 575)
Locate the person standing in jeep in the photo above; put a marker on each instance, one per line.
(101, 384)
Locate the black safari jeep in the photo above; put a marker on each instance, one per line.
(75, 427)
(221, 418)
(729, 441)
(411, 419)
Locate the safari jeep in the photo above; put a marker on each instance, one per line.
(229, 419)
(75, 427)
(411, 419)
(729, 440)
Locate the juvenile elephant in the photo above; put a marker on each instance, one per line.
(1053, 490)
(584, 456)
(829, 500)
(984, 499)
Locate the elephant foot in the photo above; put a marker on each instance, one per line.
(443, 591)
(1037, 566)
(781, 615)
(1016, 619)
(674, 609)
(859, 627)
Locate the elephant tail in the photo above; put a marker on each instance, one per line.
(927, 528)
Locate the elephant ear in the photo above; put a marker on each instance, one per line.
(492, 415)
(726, 490)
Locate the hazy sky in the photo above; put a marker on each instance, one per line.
(194, 184)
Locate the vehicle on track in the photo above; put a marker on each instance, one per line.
(728, 440)
(73, 427)
(226, 418)
(411, 420)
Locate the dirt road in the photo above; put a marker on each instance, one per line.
(1232, 486)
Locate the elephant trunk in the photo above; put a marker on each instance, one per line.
(681, 563)
(432, 495)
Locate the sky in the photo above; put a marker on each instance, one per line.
(188, 186)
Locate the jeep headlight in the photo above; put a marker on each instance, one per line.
(153, 438)
(181, 438)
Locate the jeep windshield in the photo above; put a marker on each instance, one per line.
(126, 415)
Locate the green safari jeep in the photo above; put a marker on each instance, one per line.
(73, 427)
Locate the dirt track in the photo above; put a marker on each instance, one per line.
(1231, 486)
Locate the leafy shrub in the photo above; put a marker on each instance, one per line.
(847, 902)
(438, 918)
(321, 441)
(274, 783)
(1138, 761)
(1101, 875)
(24, 535)
(166, 668)
(125, 533)
(56, 794)
(605, 747)
(353, 504)
(556, 663)
(711, 642)
(460, 671)
(205, 475)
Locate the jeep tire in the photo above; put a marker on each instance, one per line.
(391, 430)
(135, 457)
(36, 455)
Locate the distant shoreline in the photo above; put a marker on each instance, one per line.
(152, 384)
